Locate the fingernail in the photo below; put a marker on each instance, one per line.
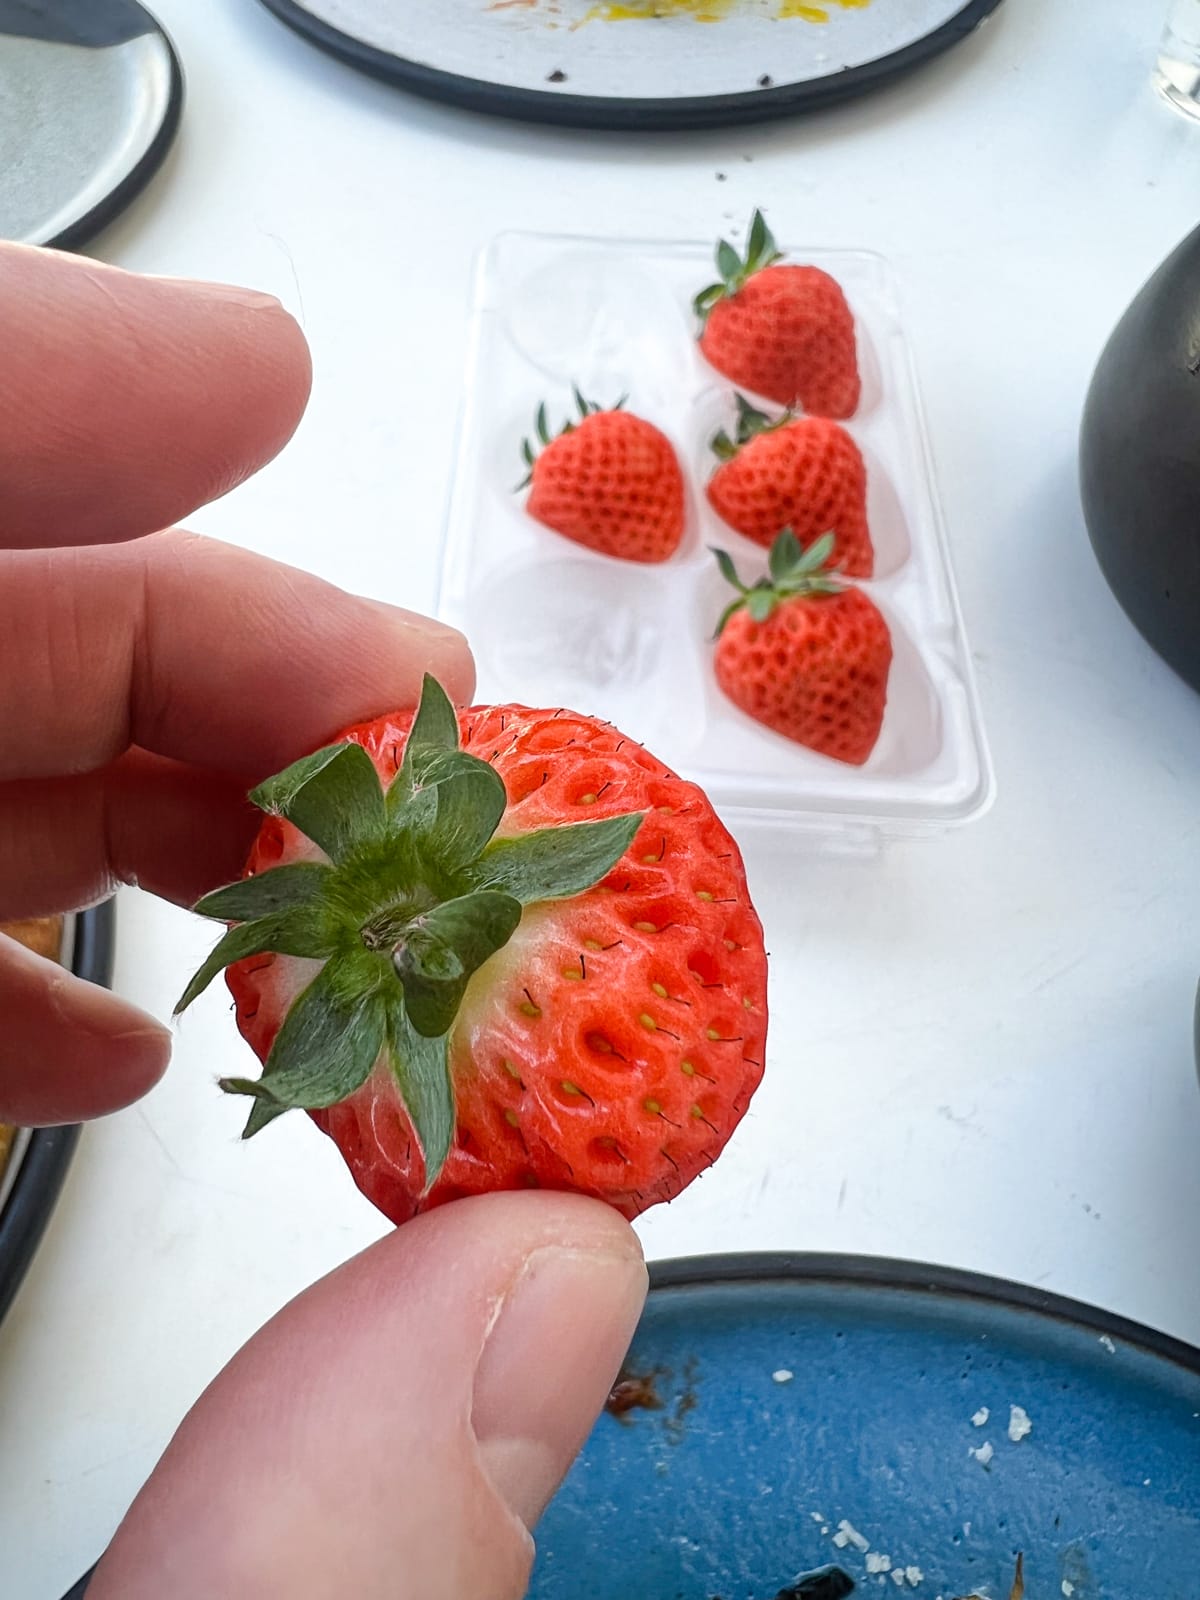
(549, 1364)
(232, 293)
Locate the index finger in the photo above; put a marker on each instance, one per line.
(199, 651)
(127, 402)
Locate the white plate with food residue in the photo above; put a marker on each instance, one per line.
(636, 63)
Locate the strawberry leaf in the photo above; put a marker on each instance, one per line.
(786, 555)
(814, 558)
(751, 421)
(760, 242)
(324, 1051)
(728, 571)
(555, 863)
(722, 446)
(334, 797)
(440, 950)
(455, 806)
(730, 610)
(729, 264)
(422, 1071)
(266, 893)
(299, 932)
(707, 299)
(434, 729)
(761, 249)
(760, 603)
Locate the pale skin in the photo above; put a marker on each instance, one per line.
(473, 1347)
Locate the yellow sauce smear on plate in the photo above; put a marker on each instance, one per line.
(714, 10)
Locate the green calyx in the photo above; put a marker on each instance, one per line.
(750, 424)
(416, 894)
(761, 251)
(543, 436)
(792, 573)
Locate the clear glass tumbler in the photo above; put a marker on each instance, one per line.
(1177, 70)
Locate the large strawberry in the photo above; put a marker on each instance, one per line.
(610, 481)
(803, 473)
(781, 331)
(804, 654)
(527, 962)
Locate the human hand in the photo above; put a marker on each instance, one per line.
(146, 682)
(398, 1428)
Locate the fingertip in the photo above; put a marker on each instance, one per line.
(71, 1051)
(426, 645)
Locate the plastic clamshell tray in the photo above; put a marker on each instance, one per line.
(552, 623)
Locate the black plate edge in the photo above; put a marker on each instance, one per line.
(48, 1155)
(883, 1272)
(139, 175)
(620, 114)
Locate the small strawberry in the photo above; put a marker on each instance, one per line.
(610, 481)
(780, 331)
(805, 655)
(803, 473)
(470, 988)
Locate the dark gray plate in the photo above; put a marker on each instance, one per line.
(609, 64)
(90, 97)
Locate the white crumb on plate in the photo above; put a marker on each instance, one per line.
(1145, 1483)
(816, 1516)
(981, 1416)
(848, 1534)
(878, 1562)
(983, 1454)
(1019, 1425)
(898, 1577)
(914, 1576)
(782, 1376)
(1068, 1588)
(825, 1531)
(1109, 1346)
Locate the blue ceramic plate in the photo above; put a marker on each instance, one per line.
(739, 1477)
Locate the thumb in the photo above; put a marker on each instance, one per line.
(396, 1431)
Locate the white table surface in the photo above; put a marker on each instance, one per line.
(981, 1049)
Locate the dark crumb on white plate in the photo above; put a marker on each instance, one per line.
(557, 76)
(720, 177)
(766, 81)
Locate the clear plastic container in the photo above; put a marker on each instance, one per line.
(553, 623)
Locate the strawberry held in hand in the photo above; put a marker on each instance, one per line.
(781, 331)
(804, 654)
(610, 481)
(803, 473)
(527, 962)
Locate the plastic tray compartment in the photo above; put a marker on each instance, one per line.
(554, 624)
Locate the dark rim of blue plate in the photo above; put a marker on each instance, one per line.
(939, 1283)
(621, 114)
(139, 175)
(48, 1154)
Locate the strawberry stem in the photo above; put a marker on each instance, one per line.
(792, 573)
(734, 272)
(541, 427)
